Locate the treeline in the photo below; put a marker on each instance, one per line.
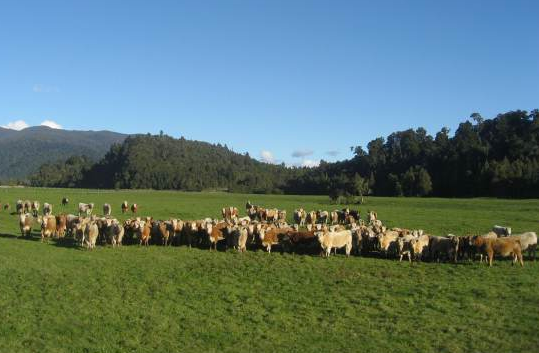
(485, 157)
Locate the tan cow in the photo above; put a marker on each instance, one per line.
(25, 224)
(329, 240)
(91, 232)
(48, 227)
(509, 246)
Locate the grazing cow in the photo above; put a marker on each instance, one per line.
(508, 246)
(421, 246)
(7, 206)
(47, 209)
(48, 227)
(65, 201)
(19, 207)
(107, 209)
(91, 232)
(35, 208)
(528, 242)
(61, 224)
(25, 224)
(300, 216)
(124, 207)
(387, 242)
(444, 247)
(502, 231)
(134, 208)
(337, 240)
(85, 208)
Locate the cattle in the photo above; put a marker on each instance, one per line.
(115, 232)
(355, 215)
(528, 242)
(421, 246)
(216, 233)
(229, 213)
(65, 201)
(311, 217)
(242, 240)
(299, 217)
(124, 207)
(334, 216)
(19, 207)
(281, 215)
(190, 231)
(107, 209)
(444, 247)
(329, 240)
(85, 208)
(27, 206)
(405, 247)
(387, 242)
(144, 230)
(507, 246)
(35, 208)
(47, 209)
(305, 239)
(164, 231)
(7, 207)
(25, 224)
(177, 228)
(134, 208)
(91, 232)
(48, 227)
(373, 216)
(271, 236)
(252, 213)
(61, 224)
(71, 221)
(322, 216)
(272, 215)
(502, 231)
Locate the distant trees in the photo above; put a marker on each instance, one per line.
(485, 157)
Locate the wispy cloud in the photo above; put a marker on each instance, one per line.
(302, 153)
(267, 157)
(333, 153)
(41, 88)
(51, 124)
(16, 125)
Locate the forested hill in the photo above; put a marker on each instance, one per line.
(163, 162)
(23, 152)
(484, 157)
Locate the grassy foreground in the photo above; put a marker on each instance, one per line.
(57, 298)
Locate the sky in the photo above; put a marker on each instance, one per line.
(287, 81)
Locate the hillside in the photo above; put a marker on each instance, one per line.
(23, 152)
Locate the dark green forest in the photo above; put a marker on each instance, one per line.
(484, 157)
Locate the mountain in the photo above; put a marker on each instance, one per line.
(23, 152)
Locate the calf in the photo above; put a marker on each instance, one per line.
(405, 247)
(65, 201)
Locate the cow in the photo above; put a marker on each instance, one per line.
(311, 217)
(47, 209)
(355, 215)
(335, 217)
(387, 242)
(528, 242)
(373, 216)
(329, 240)
(444, 247)
(7, 206)
(502, 231)
(271, 236)
(71, 221)
(229, 213)
(272, 215)
(252, 213)
(124, 207)
(162, 230)
(27, 206)
(91, 232)
(134, 208)
(507, 246)
(242, 240)
(85, 208)
(61, 224)
(107, 209)
(296, 239)
(48, 227)
(405, 247)
(177, 228)
(190, 232)
(300, 216)
(216, 233)
(35, 208)
(421, 246)
(25, 224)
(19, 207)
(144, 229)
(115, 232)
(281, 215)
(65, 201)
(322, 216)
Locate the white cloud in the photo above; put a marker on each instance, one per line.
(51, 124)
(309, 163)
(16, 125)
(267, 156)
(41, 88)
(302, 153)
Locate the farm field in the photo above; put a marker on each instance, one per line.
(57, 297)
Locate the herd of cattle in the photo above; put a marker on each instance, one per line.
(316, 232)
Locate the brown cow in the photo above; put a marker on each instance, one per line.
(125, 207)
(25, 224)
(216, 233)
(61, 225)
(48, 227)
(272, 236)
(134, 208)
(145, 232)
(501, 246)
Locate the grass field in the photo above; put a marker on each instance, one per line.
(59, 298)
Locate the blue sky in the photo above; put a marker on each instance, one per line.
(300, 80)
